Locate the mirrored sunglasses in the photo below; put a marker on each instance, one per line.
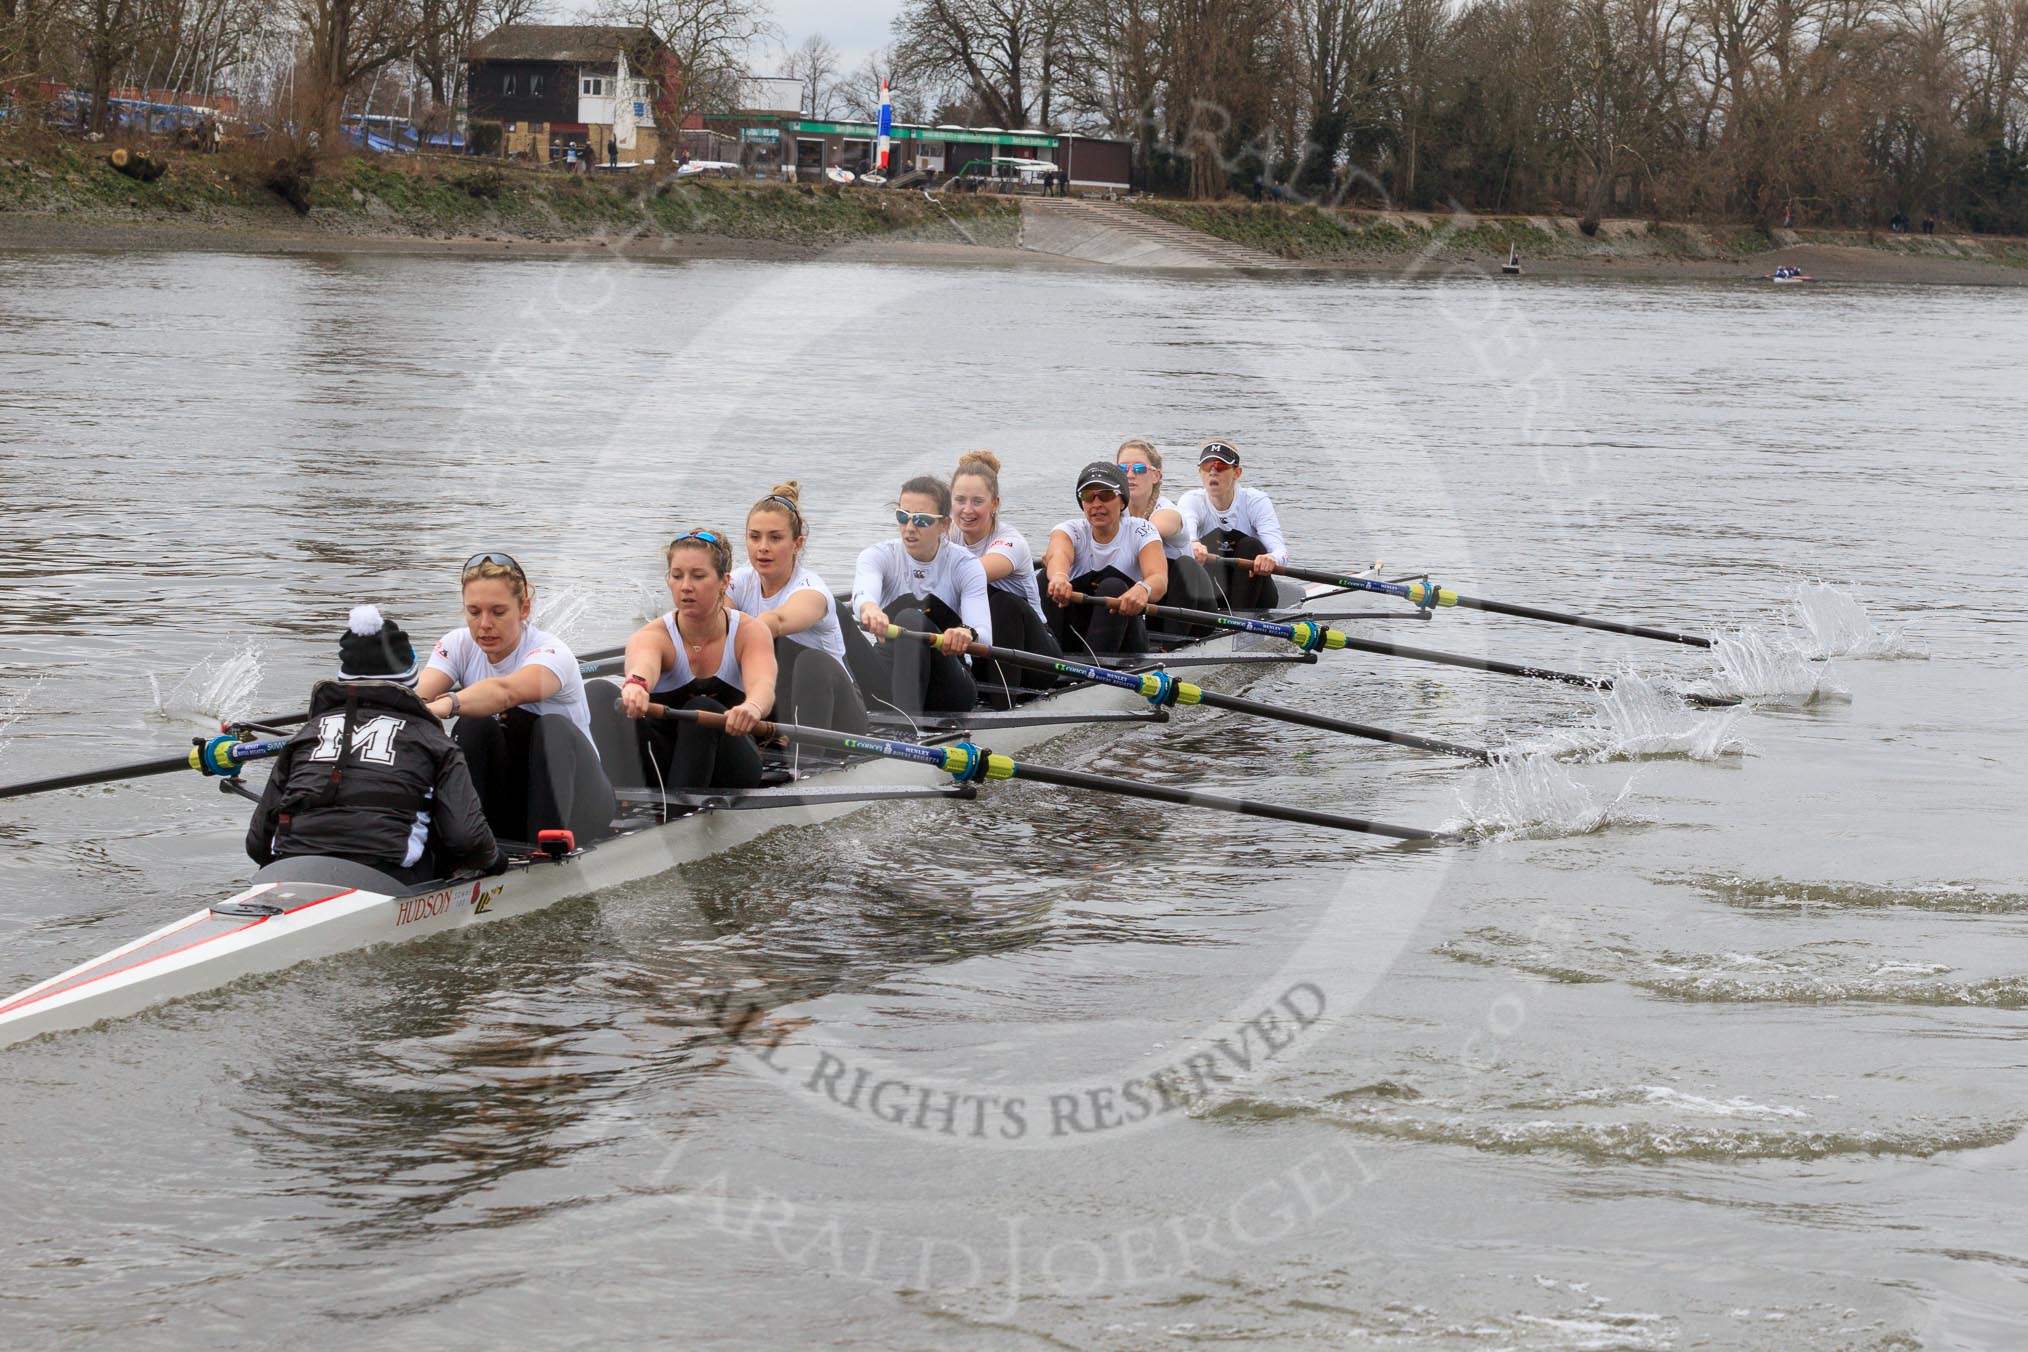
(498, 560)
(1136, 466)
(920, 520)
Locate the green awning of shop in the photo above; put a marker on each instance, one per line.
(868, 131)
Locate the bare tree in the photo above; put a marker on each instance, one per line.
(815, 63)
(1004, 53)
(915, 96)
(347, 41)
(446, 31)
(708, 43)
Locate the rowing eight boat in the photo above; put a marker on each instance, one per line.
(296, 910)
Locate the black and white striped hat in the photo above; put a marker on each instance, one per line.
(373, 648)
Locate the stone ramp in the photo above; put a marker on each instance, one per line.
(1107, 232)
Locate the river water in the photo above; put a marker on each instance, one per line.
(1706, 1038)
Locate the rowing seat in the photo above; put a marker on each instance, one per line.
(335, 872)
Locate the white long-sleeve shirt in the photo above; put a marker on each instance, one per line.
(1251, 513)
(886, 573)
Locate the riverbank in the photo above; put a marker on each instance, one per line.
(65, 197)
(1399, 243)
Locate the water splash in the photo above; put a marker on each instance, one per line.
(1533, 797)
(1825, 622)
(1787, 895)
(1641, 718)
(1640, 1138)
(1768, 668)
(12, 707)
(561, 612)
(220, 689)
(1795, 977)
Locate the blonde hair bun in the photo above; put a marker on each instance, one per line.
(985, 459)
(787, 490)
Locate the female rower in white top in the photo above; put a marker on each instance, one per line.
(924, 581)
(1105, 553)
(1012, 595)
(700, 654)
(811, 686)
(522, 716)
(1189, 585)
(1230, 522)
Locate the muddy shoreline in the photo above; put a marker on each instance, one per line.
(1830, 263)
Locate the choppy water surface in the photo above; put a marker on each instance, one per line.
(1710, 1038)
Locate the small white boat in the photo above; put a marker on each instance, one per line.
(837, 175)
(1512, 267)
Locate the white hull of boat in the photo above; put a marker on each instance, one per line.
(206, 950)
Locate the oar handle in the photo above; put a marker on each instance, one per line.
(703, 718)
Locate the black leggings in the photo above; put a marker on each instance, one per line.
(674, 753)
(910, 675)
(1015, 626)
(1243, 590)
(1190, 588)
(1093, 631)
(536, 773)
(812, 689)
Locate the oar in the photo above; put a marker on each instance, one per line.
(1160, 689)
(1427, 595)
(969, 763)
(589, 664)
(1310, 636)
(212, 756)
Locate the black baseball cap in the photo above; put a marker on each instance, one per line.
(1102, 474)
(1218, 450)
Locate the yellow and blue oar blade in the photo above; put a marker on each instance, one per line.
(1311, 636)
(1428, 595)
(1163, 690)
(969, 763)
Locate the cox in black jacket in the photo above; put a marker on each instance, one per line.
(353, 780)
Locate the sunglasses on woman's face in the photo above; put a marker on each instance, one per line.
(498, 560)
(1136, 466)
(1096, 496)
(920, 520)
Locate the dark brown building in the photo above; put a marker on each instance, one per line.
(550, 88)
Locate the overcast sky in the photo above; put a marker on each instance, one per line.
(855, 27)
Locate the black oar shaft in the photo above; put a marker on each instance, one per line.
(1214, 700)
(1582, 621)
(1074, 779)
(168, 765)
(1042, 774)
(585, 662)
(1500, 607)
(1211, 699)
(1368, 645)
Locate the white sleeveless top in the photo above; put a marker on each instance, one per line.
(1123, 551)
(679, 675)
(824, 635)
